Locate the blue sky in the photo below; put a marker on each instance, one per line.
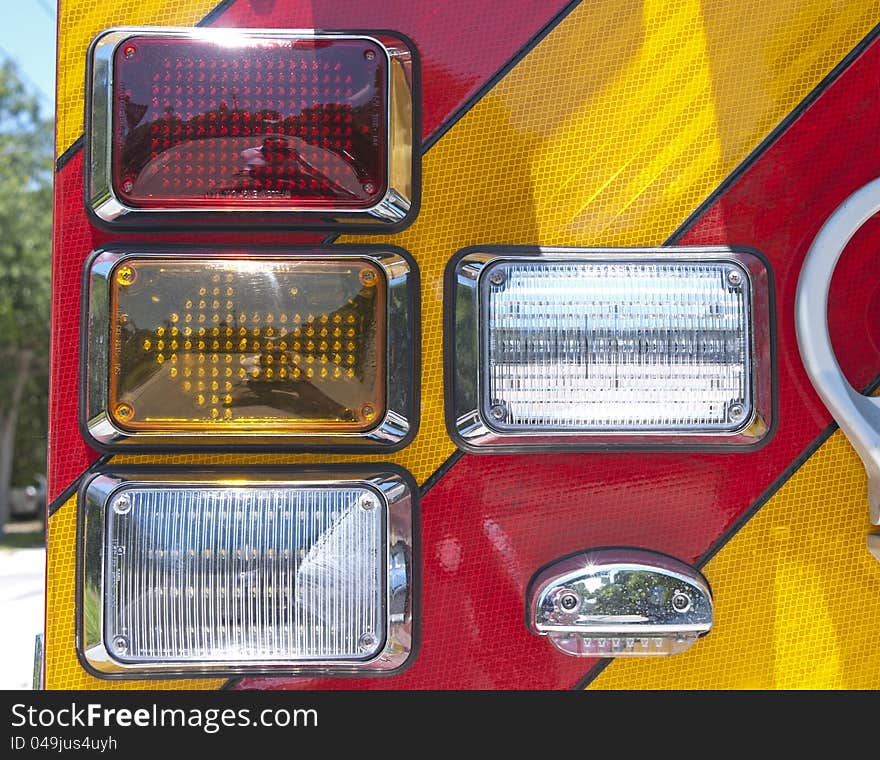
(27, 36)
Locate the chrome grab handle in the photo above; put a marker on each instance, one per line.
(858, 415)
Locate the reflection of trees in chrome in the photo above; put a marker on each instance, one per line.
(632, 592)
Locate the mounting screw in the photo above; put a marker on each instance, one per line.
(120, 644)
(568, 601)
(681, 602)
(122, 504)
(736, 411)
(367, 641)
(129, 50)
(367, 502)
(125, 275)
(498, 411)
(127, 186)
(370, 55)
(124, 411)
(734, 278)
(369, 188)
(497, 277)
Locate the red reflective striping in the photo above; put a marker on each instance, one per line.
(491, 522)
(462, 43)
(75, 238)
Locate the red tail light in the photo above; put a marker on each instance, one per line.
(296, 128)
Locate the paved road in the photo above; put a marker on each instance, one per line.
(22, 580)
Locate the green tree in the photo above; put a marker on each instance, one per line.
(25, 283)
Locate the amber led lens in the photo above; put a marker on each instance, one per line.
(201, 343)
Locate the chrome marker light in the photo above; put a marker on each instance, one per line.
(620, 603)
(206, 572)
(556, 348)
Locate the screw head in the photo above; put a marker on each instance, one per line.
(127, 185)
(497, 277)
(129, 50)
(120, 644)
(736, 412)
(370, 55)
(124, 411)
(734, 278)
(368, 277)
(681, 602)
(125, 275)
(367, 502)
(367, 641)
(122, 504)
(369, 188)
(568, 601)
(498, 411)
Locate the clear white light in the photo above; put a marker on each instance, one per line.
(244, 574)
(622, 346)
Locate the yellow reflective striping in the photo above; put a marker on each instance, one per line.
(63, 670)
(79, 21)
(797, 594)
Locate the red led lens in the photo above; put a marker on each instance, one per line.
(268, 122)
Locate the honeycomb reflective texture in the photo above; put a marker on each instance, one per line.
(797, 594)
(668, 101)
(463, 41)
(79, 21)
(63, 670)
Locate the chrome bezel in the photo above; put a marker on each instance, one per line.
(396, 491)
(395, 210)
(396, 429)
(466, 400)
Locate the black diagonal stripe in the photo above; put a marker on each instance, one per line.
(490, 83)
(76, 145)
(64, 158)
(63, 497)
(771, 138)
(444, 126)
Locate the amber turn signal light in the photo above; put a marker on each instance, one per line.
(273, 349)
